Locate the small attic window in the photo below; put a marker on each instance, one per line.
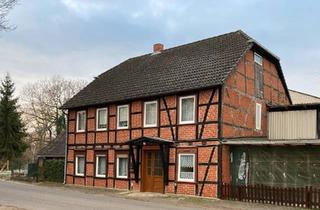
(258, 68)
(258, 59)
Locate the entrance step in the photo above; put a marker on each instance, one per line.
(146, 195)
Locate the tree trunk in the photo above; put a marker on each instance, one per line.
(3, 166)
(12, 171)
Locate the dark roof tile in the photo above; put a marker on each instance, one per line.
(196, 65)
(55, 148)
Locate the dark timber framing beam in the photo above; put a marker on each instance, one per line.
(318, 123)
(220, 136)
(206, 113)
(169, 118)
(200, 136)
(207, 170)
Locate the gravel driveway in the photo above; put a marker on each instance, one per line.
(35, 197)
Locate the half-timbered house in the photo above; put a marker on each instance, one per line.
(157, 122)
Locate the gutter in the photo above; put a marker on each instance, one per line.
(291, 142)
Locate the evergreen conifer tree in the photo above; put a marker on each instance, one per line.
(12, 130)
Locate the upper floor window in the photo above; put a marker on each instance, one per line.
(150, 114)
(186, 167)
(122, 166)
(258, 116)
(123, 117)
(187, 109)
(81, 121)
(101, 119)
(100, 165)
(80, 162)
(258, 75)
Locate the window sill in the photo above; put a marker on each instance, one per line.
(100, 130)
(122, 128)
(186, 181)
(150, 126)
(122, 177)
(80, 131)
(187, 123)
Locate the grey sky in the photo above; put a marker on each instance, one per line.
(80, 38)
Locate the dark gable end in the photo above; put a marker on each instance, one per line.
(264, 52)
(197, 65)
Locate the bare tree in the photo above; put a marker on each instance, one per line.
(41, 102)
(5, 7)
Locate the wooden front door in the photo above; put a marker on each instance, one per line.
(152, 179)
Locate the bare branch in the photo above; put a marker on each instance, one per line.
(41, 102)
(5, 7)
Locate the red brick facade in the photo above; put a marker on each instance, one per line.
(237, 120)
(239, 98)
(239, 103)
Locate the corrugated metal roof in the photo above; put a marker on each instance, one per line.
(303, 98)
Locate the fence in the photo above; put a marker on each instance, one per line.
(32, 170)
(306, 197)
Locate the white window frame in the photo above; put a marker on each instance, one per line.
(117, 168)
(258, 116)
(256, 61)
(180, 109)
(194, 167)
(97, 119)
(85, 118)
(118, 117)
(97, 165)
(145, 114)
(77, 164)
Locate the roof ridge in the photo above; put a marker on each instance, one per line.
(194, 42)
(307, 94)
(177, 47)
(201, 40)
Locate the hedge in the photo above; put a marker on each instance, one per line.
(54, 170)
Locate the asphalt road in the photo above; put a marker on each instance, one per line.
(39, 197)
(33, 197)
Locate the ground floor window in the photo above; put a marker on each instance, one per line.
(101, 166)
(80, 161)
(186, 167)
(122, 166)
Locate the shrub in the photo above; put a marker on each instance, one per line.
(54, 170)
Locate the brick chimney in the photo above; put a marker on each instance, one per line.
(157, 48)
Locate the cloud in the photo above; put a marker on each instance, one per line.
(27, 65)
(85, 37)
(87, 8)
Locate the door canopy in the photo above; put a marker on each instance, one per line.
(135, 147)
